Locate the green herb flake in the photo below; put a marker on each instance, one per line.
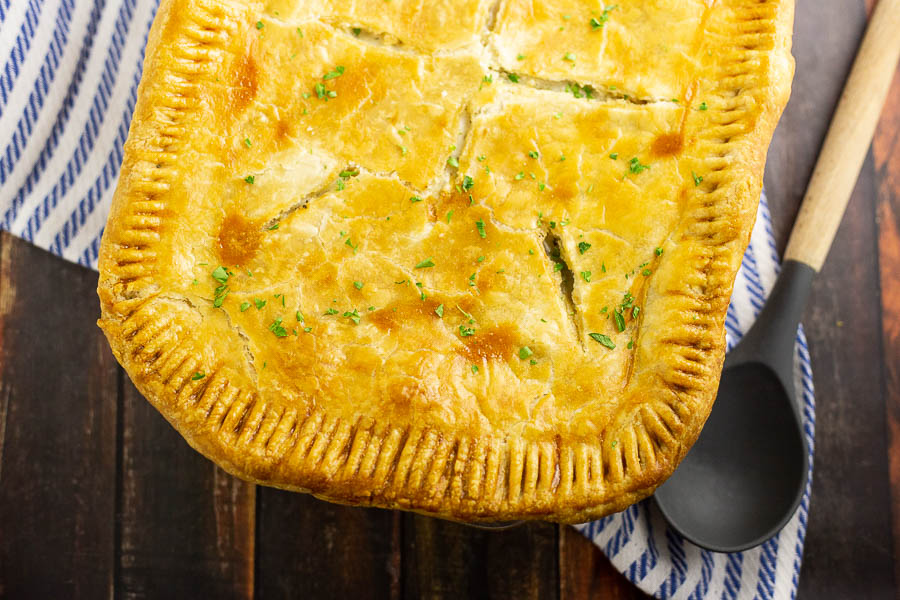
(614, 155)
(703, 106)
(635, 166)
(466, 331)
(586, 275)
(353, 316)
(569, 56)
(619, 319)
(259, 25)
(697, 179)
(439, 311)
(658, 251)
(414, 199)
(534, 154)
(277, 329)
(356, 31)
(468, 183)
(513, 77)
(453, 162)
(197, 376)
(475, 369)
(425, 264)
(358, 285)
(338, 71)
(525, 352)
(603, 340)
(479, 225)
(244, 306)
(220, 274)
(250, 179)
(583, 247)
(259, 303)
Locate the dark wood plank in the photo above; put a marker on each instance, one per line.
(886, 154)
(186, 527)
(58, 387)
(848, 549)
(312, 549)
(449, 560)
(584, 572)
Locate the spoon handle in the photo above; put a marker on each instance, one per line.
(849, 135)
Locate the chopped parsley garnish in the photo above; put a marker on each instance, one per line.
(277, 329)
(658, 251)
(358, 285)
(273, 227)
(604, 17)
(586, 275)
(250, 179)
(259, 25)
(353, 316)
(331, 311)
(479, 225)
(619, 319)
(580, 91)
(453, 162)
(247, 142)
(614, 155)
(414, 199)
(467, 183)
(198, 375)
(513, 77)
(244, 306)
(646, 272)
(299, 316)
(220, 274)
(569, 56)
(697, 179)
(475, 369)
(259, 303)
(635, 166)
(583, 247)
(425, 264)
(356, 30)
(466, 331)
(603, 340)
(338, 71)
(520, 175)
(525, 352)
(439, 311)
(703, 106)
(534, 154)
(449, 215)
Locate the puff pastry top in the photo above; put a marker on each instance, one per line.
(465, 257)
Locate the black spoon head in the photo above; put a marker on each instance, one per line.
(744, 477)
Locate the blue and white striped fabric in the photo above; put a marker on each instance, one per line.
(68, 86)
(659, 561)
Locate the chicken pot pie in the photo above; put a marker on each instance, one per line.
(464, 257)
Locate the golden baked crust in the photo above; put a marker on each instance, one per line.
(467, 258)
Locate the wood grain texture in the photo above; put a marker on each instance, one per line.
(185, 525)
(314, 549)
(444, 560)
(100, 497)
(58, 385)
(886, 155)
(586, 573)
(848, 550)
(848, 138)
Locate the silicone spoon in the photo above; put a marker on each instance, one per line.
(743, 479)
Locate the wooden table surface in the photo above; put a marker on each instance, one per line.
(100, 497)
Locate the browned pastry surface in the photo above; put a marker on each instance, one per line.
(470, 258)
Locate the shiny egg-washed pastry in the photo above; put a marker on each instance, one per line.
(464, 257)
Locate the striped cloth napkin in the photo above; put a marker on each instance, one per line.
(68, 86)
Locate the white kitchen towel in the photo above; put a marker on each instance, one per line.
(68, 86)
